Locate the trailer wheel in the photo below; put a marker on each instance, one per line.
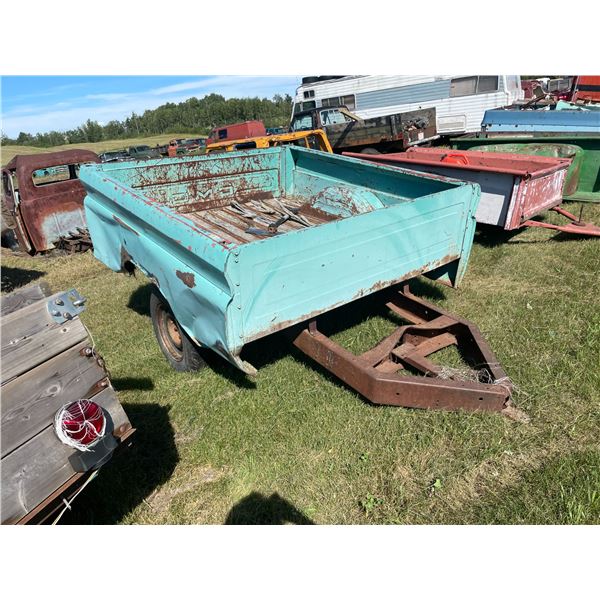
(179, 350)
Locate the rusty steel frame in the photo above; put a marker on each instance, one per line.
(575, 226)
(374, 375)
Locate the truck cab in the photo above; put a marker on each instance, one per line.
(346, 130)
(143, 152)
(317, 118)
(42, 199)
(236, 131)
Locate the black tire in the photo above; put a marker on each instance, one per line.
(370, 151)
(179, 350)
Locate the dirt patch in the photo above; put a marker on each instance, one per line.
(503, 471)
(160, 500)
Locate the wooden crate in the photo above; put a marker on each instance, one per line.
(45, 365)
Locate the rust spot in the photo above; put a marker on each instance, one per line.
(187, 278)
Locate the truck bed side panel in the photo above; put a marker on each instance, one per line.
(294, 277)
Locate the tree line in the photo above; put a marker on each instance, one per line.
(194, 115)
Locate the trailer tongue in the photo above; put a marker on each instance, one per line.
(375, 373)
(243, 244)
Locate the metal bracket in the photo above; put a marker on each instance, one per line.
(66, 306)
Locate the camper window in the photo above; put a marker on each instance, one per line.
(487, 83)
(469, 86)
(309, 94)
(348, 101)
(463, 86)
(6, 191)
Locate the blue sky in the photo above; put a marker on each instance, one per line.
(39, 104)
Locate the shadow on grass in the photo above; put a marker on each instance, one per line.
(256, 509)
(490, 236)
(562, 236)
(132, 383)
(132, 473)
(276, 346)
(426, 289)
(139, 301)
(14, 277)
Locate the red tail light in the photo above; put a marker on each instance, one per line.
(80, 424)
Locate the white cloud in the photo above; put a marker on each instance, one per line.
(109, 106)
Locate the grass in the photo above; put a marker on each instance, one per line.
(9, 151)
(297, 446)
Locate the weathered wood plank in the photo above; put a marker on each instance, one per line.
(23, 297)
(30, 336)
(29, 402)
(40, 466)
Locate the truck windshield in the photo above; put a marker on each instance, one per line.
(302, 122)
(332, 117)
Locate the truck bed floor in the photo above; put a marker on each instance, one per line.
(236, 225)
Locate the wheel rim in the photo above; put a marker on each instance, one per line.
(170, 333)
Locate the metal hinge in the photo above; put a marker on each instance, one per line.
(66, 306)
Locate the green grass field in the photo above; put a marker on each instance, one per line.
(295, 445)
(7, 152)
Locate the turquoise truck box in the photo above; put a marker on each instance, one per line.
(244, 244)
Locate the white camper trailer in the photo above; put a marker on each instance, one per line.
(460, 100)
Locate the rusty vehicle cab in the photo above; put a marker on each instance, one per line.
(43, 199)
(346, 131)
(236, 131)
